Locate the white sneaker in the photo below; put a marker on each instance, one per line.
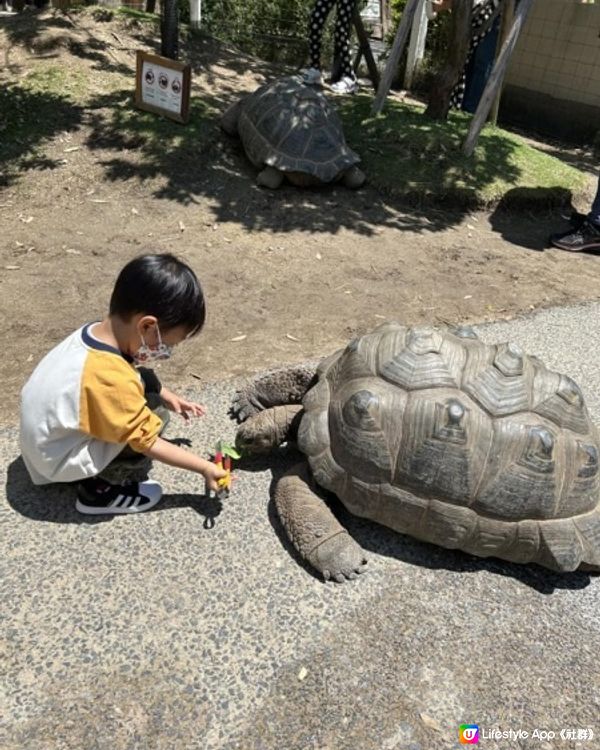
(312, 77)
(345, 85)
(97, 497)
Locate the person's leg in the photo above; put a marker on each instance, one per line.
(343, 26)
(594, 215)
(315, 36)
(585, 235)
(481, 24)
(347, 82)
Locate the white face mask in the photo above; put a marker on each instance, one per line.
(147, 354)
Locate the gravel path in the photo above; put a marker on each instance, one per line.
(190, 627)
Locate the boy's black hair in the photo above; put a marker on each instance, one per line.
(163, 286)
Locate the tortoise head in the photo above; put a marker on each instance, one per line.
(268, 429)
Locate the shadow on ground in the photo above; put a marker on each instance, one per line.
(526, 216)
(385, 542)
(55, 503)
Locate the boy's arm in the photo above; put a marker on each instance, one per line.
(173, 455)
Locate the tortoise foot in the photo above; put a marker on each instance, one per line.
(354, 178)
(270, 178)
(339, 558)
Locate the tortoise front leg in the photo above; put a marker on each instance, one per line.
(313, 529)
(286, 386)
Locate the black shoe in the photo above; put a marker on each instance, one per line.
(586, 237)
(96, 497)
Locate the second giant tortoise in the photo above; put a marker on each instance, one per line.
(291, 130)
(436, 435)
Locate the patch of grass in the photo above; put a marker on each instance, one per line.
(55, 80)
(410, 156)
(139, 15)
(122, 124)
(27, 118)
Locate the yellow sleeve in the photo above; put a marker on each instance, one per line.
(112, 405)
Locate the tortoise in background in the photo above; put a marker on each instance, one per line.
(436, 435)
(291, 130)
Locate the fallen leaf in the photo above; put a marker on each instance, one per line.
(238, 338)
(303, 673)
(19, 244)
(291, 338)
(430, 722)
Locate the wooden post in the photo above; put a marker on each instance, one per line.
(386, 18)
(416, 46)
(395, 55)
(495, 80)
(508, 14)
(195, 13)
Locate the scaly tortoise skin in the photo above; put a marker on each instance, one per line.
(291, 129)
(440, 436)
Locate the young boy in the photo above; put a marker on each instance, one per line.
(85, 409)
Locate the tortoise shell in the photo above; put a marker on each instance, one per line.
(440, 436)
(294, 128)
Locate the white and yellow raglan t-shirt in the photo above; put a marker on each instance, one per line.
(82, 404)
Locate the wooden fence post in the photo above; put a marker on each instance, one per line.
(395, 54)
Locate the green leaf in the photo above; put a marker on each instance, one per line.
(228, 450)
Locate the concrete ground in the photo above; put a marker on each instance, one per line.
(195, 626)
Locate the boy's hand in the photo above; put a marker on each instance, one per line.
(180, 405)
(212, 473)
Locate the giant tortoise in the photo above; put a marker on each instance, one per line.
(291, 130)
(437, 435)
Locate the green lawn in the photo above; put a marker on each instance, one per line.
(408, 155)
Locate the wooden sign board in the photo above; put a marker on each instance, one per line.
(163, 86)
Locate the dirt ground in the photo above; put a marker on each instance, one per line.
(288, 275)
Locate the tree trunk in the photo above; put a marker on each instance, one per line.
(170, 29)
(458, 47)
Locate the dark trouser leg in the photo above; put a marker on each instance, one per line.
(315, 31)
(343, 24)
(594, 215)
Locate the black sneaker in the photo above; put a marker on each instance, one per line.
(96, 496)
(586, 237)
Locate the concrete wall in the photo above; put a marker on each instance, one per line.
(554, 75)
